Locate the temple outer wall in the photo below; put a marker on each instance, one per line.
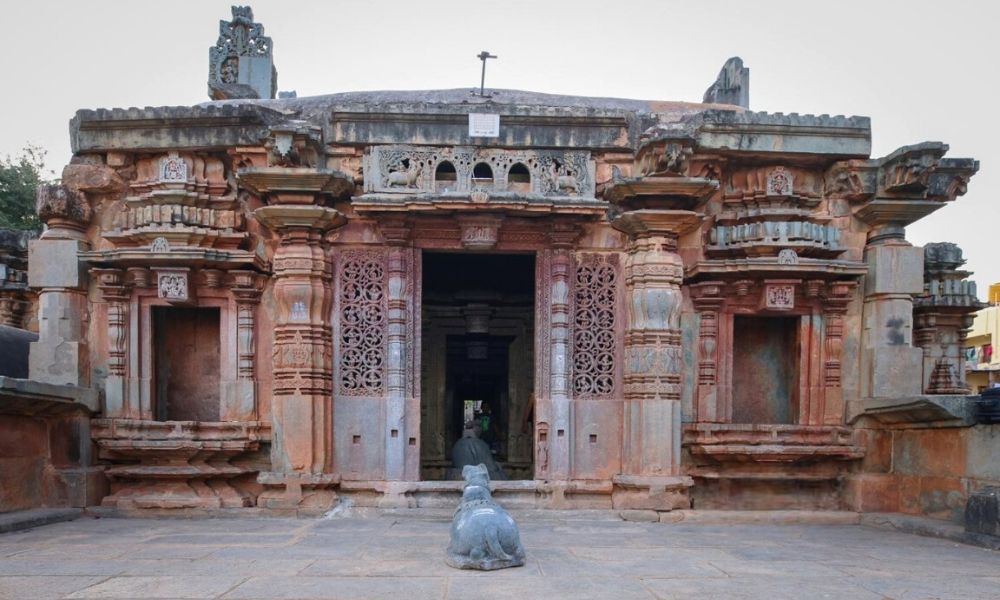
(925, 471)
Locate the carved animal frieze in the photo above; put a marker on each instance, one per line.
(453, 170)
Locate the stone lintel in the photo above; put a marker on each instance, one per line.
(684, 192)
(283, 216)
(896, 211)
(650, 222)
(176, 257)
(506, 203)
(281, 180)
(771, 265)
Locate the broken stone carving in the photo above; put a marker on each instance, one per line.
(240, 65)
(732, 86)
(483, 534)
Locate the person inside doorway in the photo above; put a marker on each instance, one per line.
(486, 425)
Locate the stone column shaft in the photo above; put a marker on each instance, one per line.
(558, 442)
(653, 362)
(892, 366)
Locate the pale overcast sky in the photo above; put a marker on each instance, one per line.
(922, 70)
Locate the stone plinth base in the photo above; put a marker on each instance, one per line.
(639, 492)
(770, 467)
(177, 464)
(311, 491)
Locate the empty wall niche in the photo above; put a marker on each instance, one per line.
(482, 176)
(519, 178)
(186, 355)
(445, 177)
(765, 370)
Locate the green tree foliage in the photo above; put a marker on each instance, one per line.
(19, 179)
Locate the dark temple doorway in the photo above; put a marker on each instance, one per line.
(477, 359)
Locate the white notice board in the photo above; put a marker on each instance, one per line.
(484, 125)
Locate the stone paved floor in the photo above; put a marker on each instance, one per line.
(401, 558)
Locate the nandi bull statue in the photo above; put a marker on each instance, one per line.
(483, 535)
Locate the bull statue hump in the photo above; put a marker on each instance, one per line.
(483, 534)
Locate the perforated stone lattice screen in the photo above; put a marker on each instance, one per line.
(594, 324)
(362, 322)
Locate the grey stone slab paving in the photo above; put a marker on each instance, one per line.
(42, 587)
(534, 586)
(761, 587)
(936, 588)
(341, 588)
(177, 586)
(403, 558)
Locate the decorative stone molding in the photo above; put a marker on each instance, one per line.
(780, 182)
(779, 296)
(406, 169)
(181, 464)
(173, 169)
(479, 232)
(172, 285)
(942, 316)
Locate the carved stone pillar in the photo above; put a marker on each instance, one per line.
(557, 417)
(60, 354)
(653, 359)
(402, 462)
(302, 409)
(115, 291)
(242, 405)
(711, 404)
(836, 298)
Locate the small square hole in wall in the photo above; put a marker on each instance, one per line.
(394, 433)
(593, 438)
(357, 439)
(413, 441)
(560, 432)
(542, 436)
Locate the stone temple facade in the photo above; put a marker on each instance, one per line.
(284, 302)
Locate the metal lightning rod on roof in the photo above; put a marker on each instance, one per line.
(482, 81)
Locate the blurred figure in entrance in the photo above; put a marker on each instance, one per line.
(470, 450)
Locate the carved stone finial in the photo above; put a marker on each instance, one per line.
(942, 256)
(241, 64)
(64, 210)
(732, 86)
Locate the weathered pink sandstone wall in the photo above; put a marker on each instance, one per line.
(928, 472)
